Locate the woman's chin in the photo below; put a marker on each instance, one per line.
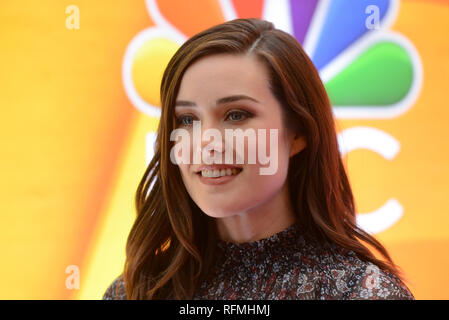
(221, 212)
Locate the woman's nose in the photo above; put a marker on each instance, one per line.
(210, 140)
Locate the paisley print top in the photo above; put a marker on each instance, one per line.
(286, 266)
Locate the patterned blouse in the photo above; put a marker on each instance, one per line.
(285, 266)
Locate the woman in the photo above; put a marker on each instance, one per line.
(220, 230)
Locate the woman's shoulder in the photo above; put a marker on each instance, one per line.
(376, 284)
(347, 276)
(116, 290)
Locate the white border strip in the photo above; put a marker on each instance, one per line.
(315, 27)
(163, 29)
(159, 19)
(135, 44)
(228, 10)
(278, 12)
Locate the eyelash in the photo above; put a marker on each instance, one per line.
(179, 120)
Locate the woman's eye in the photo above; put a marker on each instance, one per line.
(233, 116)
(238, 115)
(186, 120)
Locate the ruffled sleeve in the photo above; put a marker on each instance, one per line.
(375, 284)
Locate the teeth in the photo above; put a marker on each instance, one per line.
(219, 173)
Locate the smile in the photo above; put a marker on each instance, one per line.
(218, 177)
(219, 173)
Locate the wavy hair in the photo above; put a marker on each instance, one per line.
(170, 247)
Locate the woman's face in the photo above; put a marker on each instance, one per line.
(249, 104)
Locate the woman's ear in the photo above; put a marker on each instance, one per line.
(298, 143)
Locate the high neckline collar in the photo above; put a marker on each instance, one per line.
(281, 241)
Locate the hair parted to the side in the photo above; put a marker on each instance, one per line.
(170, 247)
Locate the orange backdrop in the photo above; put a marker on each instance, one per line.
(79, 111)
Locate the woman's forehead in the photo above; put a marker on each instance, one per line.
(216, 76)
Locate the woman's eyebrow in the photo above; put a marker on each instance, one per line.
(185, 103)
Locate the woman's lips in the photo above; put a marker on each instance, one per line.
(216, 167)
(218, 180)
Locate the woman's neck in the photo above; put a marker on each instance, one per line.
(260, 222)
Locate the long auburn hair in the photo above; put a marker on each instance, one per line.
(170, 247)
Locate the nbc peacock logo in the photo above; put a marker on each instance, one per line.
(369, 71)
